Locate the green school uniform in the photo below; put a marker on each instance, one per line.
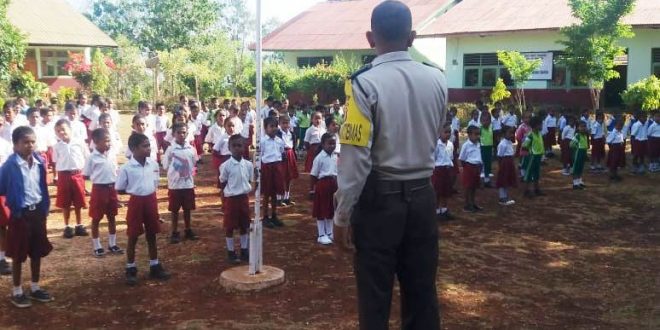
(579, 145)
(487, 150)
(533, 143)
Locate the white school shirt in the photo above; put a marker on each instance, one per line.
(614, 137)
(161, 124)
(190, 137)
(470, 153)
(313, 134)
(338, 147)
(510, 120)
(8, 129)
(294, 121)
(475, 123)
(101, 168)
(496, 123)
(245, 131)
(653, 130)
(204, 118)
(151, 124)
(597, 130)
(562, 123)
(70, 156)
(42, 137)
(198, 121)
(639, 131)
(237, 175)
(287, 137)
(568, 133)
(324, 165)
(179, 162)
(6, 150)
(444, 153)
(31, 178)
(114, 119)
(455, 125)
(152, 144)
(238, 125)
(115, 144)
(78, 129)
(138, 180)
(271, 149)
(49, 130)
(221, 144)
(214, 133)
(550, 121)
(505, 148)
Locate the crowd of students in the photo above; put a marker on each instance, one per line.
(493, 133)
(40, 146)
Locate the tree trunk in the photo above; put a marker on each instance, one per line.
(595, 98)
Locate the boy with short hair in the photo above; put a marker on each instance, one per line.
(70, 154)
(101, 169)
(23, 182)
(470, 157)
(139, 178)
(235, 177)
(179, 161)
(272, 149)
(78, 129)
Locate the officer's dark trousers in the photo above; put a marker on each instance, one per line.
(395, 233)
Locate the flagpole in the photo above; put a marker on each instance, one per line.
(256, 230)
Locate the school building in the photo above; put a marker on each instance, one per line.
(463, 37)
(53, 29)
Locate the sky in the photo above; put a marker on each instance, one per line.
(281, 10)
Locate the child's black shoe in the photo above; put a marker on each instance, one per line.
(232, 258)
(20, 301)
(157, 272)
(68, 232)
(577, 187)
(289, 202)
(245, 255)
(190, 235)
(175, 237)
(81, 231)
(99, 253)
(115, 250)
(268, 223)
(41, 296)
(131, 276)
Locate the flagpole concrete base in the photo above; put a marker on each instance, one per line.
(239, 279)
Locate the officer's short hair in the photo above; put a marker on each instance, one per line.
(391, 20)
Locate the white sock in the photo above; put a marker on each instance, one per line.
(130, 265)
(320, 225)
(230, 243)
(34, 286)
(580, 181)
(287, 194)
(97, 243)
(502, 192)
(17, 291)
(153, 262)
(244, 241)
(576, 182)
(487, 179)
(279, 197)
(443, 210)
(329, 227)
(112, 239)
(2, 255)
(437, 211)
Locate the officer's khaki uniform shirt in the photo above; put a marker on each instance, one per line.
(405, 104)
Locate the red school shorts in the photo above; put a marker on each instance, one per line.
(70, 189)
(180, 199)
(5, 214)
(442, 179)
(272, 180)
(142, 215)
(103, 201)
(289, 167)
(237, 214)
(654, 147)
(507, 175)
(27, 236)
(565, 148)
(550, 138)
(324, 193)
(638, 147)
(471, 174)
(616, 156)
(311, 153)
(598, 148)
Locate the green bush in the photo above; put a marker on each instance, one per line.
(2, 102)
(24, 84)
(324, 81)
(499, 93)
(463, 111)
(65, 94)
(644, 94)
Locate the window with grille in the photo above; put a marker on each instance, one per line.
(655, 61)
(483, 70)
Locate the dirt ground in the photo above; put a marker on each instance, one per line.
(572, 259)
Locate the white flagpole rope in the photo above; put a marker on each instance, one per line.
(256, 229)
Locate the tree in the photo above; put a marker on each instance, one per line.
(592, 44)
(238, 22)
(521, 70)
(644, 94)
(12, 47)
(499, 92)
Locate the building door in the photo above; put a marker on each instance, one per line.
(613, 88)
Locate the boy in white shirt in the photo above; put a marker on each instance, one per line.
(443, 173)
(235, 177)
(550, 137)
(653, 133)
(70, 155)
(272, 181)
(161, 125)
(78, 129)
(470, 157)
(179, 161)
(101, 170)
(639, 139)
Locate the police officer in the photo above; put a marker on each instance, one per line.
(395, 111)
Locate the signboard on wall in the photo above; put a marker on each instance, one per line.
(544, 72)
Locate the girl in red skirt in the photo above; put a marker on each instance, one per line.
(289, 165)
(70, 155)
(470, 157)
(313, 139)
(567, 135)
(617, 153)
(443, 173)
(506, 173)
(271, 149)
(101, 169)
(324, 185)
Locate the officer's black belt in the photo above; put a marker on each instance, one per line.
(386, 187)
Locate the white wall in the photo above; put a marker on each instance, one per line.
(433, 49)
(639, 56)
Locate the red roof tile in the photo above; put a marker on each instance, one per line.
(339, 25)
(480, 16)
